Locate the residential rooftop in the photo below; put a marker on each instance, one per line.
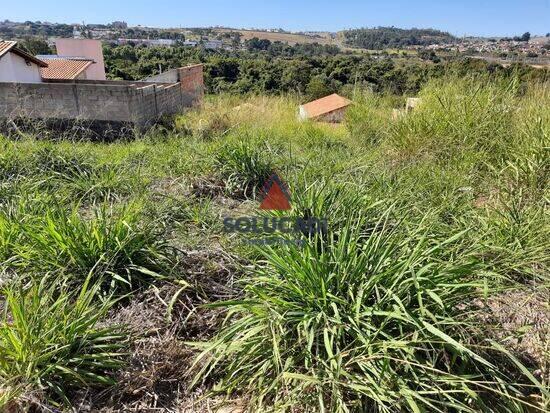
(325, 105)
(11, 46)
(59, 68)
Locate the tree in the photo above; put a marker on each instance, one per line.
(525, 37)
(257, 44)
(429, 55)
(391, 37)
(35, 46)
(318, 87)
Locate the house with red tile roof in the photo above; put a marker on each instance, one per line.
(328, 109)
(16, 65)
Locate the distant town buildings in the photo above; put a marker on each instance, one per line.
(539, 47)
(220, 38)
(148, 42)
(213, 44)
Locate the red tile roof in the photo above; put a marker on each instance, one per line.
(64, 68)
(5, 46)
(325, 105)
(11, 46)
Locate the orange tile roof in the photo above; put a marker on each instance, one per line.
(325, 105)
(64, 68)
(5, 46)
(11, 46)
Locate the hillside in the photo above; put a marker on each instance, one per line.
(290, 38)
(142, 275)
(392, 37)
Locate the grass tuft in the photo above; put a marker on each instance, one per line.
(244, 168)
(365, 321)
(51, 342)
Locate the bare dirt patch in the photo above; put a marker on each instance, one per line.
(522, 319)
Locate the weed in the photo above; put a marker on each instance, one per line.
(243, 168)
(50, 340)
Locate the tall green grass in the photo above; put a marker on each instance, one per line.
(51, 342)
(379, 313)
(42, 235)
(368, 320)
(111, 241)
(243, 168)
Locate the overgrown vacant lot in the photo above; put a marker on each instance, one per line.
(428, 291)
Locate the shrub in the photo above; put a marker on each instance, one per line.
(516, 240)
(52, 159)
(368, 118)
(361, 322)
(98, 184)
(458, 115)
(333, 201)
(214, 127)
(81, 175)
(19, 208)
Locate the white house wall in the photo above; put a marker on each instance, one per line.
(14, 68)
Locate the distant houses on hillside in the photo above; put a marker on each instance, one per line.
(207, 44)
(147, 42)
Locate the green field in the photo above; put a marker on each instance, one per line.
(427, 292)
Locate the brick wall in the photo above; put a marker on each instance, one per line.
(191, 79)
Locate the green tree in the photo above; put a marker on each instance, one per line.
(318, 87)
(35, 46)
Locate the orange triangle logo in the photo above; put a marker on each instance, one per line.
(275, 195)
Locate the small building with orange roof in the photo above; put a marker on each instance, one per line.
(331, 108)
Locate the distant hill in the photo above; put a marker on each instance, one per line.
(290, 38)
(392, 37)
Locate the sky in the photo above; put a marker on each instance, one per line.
(460, 17)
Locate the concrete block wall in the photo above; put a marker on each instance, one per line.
(169, 99)
(139, 103)
(170, 76)
(35, 100)
(103, 103)
(65, 101)
(143, 105)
